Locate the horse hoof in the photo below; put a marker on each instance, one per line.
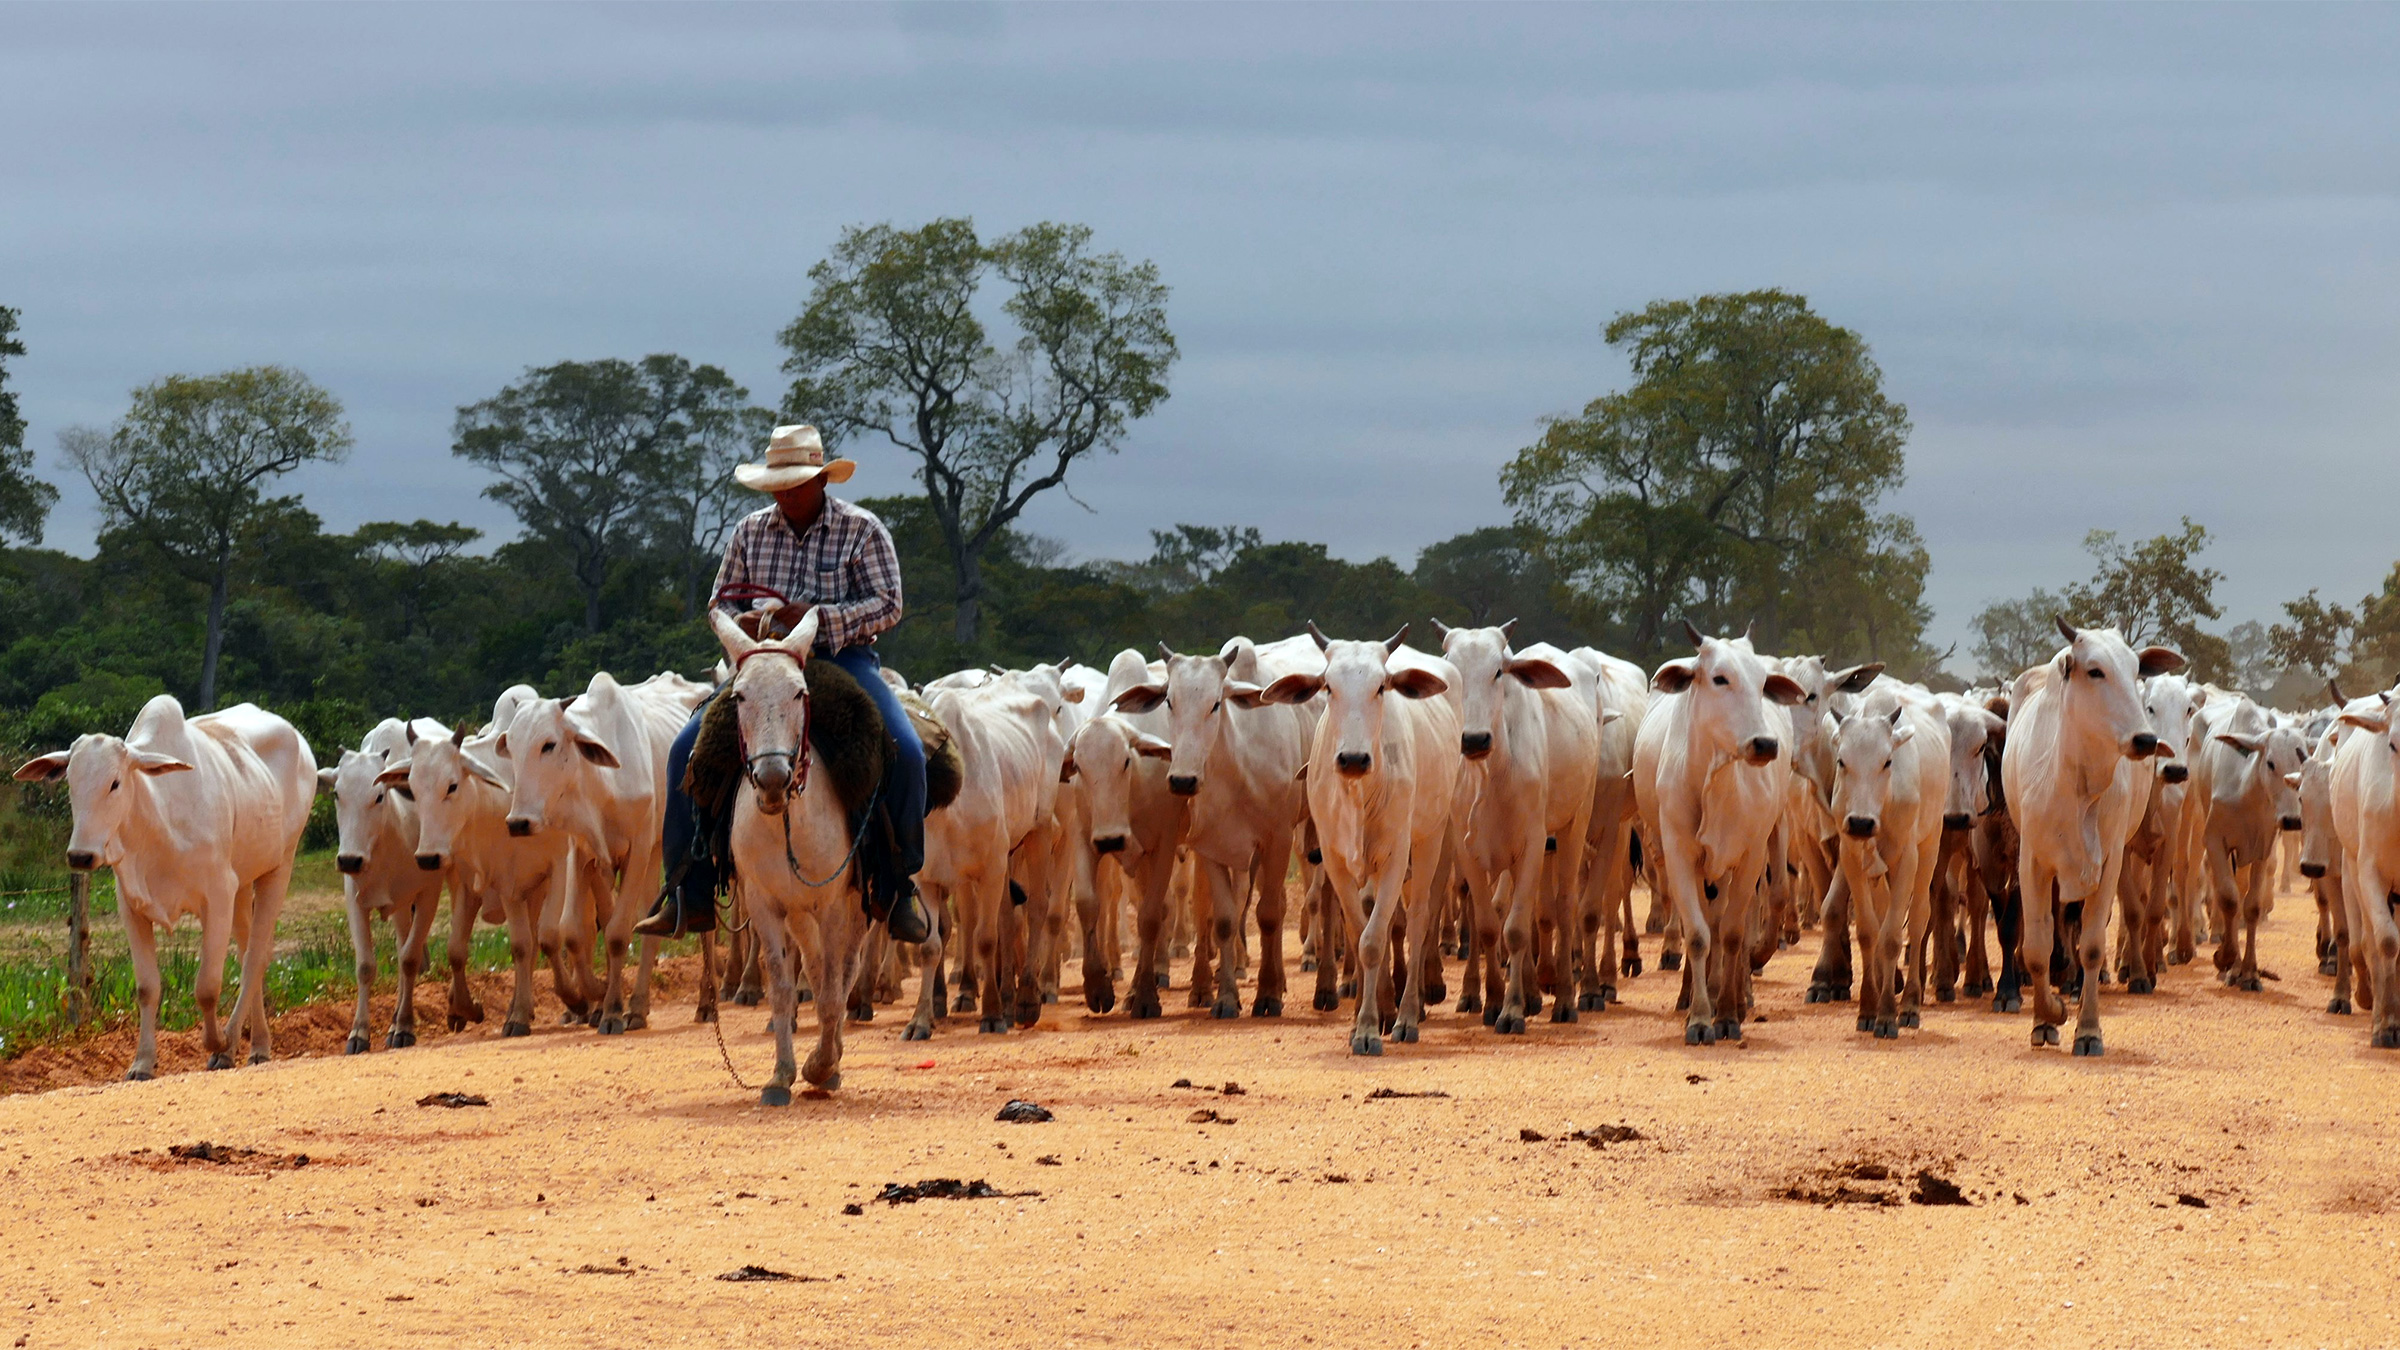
(916, 1031)
(400, 1040)
(774, 1096)
(516, 1029)
(220, 1060)
(2087, 1047)
(1509, 1024)
(1910, 1019)
(357, 1045)
(1670, 961)
(2044, 1034)
(1266, 1007)
(1698, 1033)
(1728, 1029)
(2339, 1007)
(1365, 1043)
(1591, 1000)
(1405, 1033)
(707, 1014)
(993, 1026)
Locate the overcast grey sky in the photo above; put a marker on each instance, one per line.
(2121, 264)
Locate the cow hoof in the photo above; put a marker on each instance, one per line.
(2385, 1038)
(963, 1003)
(1470, 1002)
(2008, 1003)
(2339, 1007)
(638, 1021)
(1327, 1001)
(1266, 1007)
(1307, 964)
(220, 1060)
(774, 1096)
(804, 996)
(1199, 997)
(1592, 1000)
(1405, 1033)
(1365, 1043)
(2088, 1047)
(612, 1025)
(1143, 1009)
(1436, 992)
(705, 1014)
(865, 1012)
(516, 1029)
(1509, 1024)
(1670, 960)
(1491, 1014)
(139, 1075)
(2140, 984)
(1161, 978)
(1865, 1023)
(749, 998)
(1729, 1028)
(1698, 1033)
(1887, 1029)
(1533, 1004)
(400, 1040)
(1910, 1019)
(1225, 1008)
(1630, 966)
(2179, 958)
(457, 1023)
(993, 1026)
(356, 1045)
(1029, 1014)
(1049, 996)
(2249, 984)
(258, 1057)
(1561, 1011)
(2044, 1034)
(569, 1018)
(916, 1031)
(1945, 996)
(1816, 993)
(1347, 989)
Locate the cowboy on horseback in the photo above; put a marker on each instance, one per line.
(808, 550)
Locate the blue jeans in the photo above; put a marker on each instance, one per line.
(904, 793)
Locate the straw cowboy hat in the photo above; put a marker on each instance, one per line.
(795, 454)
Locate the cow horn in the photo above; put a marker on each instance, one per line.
(2065, 629)
(412, 731)
(1507, 628)
(1693, 634)
(1323, 642)
(1440, 628)
(1392, 643)
(2334, 687)
(1749, 628)
(1170, 651)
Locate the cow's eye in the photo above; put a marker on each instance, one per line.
(1887, 764)
(112, 784)
(378, 799)
(548, 746)
(2098, 673)
(1841, 764)
(452, 788)
(1216, 705)
(1812, 698)
(2150, 710)
(1720, 680)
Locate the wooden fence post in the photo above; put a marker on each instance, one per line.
(79, 948)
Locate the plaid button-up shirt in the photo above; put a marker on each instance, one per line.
(845, 565)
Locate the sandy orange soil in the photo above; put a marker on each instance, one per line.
(610, 1181)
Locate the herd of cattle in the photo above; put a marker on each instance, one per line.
(1490, 802)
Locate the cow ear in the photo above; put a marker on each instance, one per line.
(1243, 693)
(325, 779)
(1416, 682)
(152, 762)
(595, 752)
(477, 767)
(1066, 766)
(1141, 698)
(1073, 694)
(1151, 747)
(1293, 688)
(394, 777)
(1854, 680)
(1997, 706)
(1783, 689)
(1903, 734)
(1674, 677)
(1536, 673)
(43, 768)
(2375, 722)
(1608, 715)
(2292, 780)
(2248, 745)
(2160, 661)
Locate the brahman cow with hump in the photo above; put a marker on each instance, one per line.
(1891, 771)
(2076, 780)
(1136, 825)
(2162, 851)
(1237, 759)
(375, 851)
(2366, 817)
(1529, 731)
(1381, 774)
(1623, 691)
(1710, 775)
(595, 766)
(199, 817)
(2239, 771)
(1009, 751)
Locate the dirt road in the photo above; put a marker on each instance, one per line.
(2224, 1177)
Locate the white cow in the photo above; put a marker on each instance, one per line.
(2076, 780)
(1710, 777)
(1380, 786)
(1135, 824)
(376, 854)
(595, 767)
(2239, 770)
(1961, 907)
(2366, 817)
(1010, 760)
(1239, 762)
(1530, 742)
(1607, 912)
(198, 817)
(1891, 781)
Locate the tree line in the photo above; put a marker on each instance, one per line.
(1737, 480)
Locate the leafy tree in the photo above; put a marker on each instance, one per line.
(2153, 593)
(2013, 635)
(421, 552)
(1490, 576)
(592, 455)
(1185, 557)
(185, 469)
(25, 500)
(1736, 476)
(2250, 658)
(700, 503)
(890, 343)
(2314, 639)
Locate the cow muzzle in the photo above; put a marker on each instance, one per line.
(82, 860)
(1958, 820)
(349, 864)
(2144, 746)
(1184, 784)
(2291, 822)
(1859, 827)
(2175, 773)
(1762, 749)
(1352, 763)
(519, 828)
(429, 862)
(2313, 871)
(1475, 744)
(1108, 843)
